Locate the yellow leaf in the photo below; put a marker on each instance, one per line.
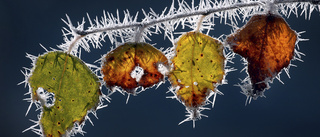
(198, 65)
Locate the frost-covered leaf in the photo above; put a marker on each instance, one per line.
(267, 43)
(198, 66)
(75, 87)
(120, 66)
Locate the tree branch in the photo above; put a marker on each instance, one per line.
(184, 15)
(183, 12)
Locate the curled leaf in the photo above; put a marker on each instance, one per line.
(198, 66)
(120, 63)
(75, 87)
(267, 43)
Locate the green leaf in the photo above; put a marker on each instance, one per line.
(75, 87)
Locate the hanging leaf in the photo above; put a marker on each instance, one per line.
(75, 87)
(120, 63)
(267, 43)
(198, 66)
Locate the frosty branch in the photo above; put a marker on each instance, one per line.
(176, 15)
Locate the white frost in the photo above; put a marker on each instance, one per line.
(45, 98)
(137, 73)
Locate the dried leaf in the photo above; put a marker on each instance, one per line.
(75, 87)
(119, 64)
(198, 65)
(267, 43)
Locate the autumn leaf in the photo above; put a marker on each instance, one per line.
(75, 87)
(119, 64)
(198, 66)
(267, 43)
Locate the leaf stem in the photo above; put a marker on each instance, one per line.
(73, 42)
(199, 23)
(139, 33)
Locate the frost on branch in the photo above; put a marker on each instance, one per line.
(124, 29)
(124, 26)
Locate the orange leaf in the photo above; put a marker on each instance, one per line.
(120, 62)
(267, 43)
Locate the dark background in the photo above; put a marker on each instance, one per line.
(291, 109)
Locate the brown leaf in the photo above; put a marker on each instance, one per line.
(120, 62)
(267, 43)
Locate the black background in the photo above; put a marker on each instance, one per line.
(291, 109)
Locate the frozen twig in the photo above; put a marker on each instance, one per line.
(129, 29)
(185, 15)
